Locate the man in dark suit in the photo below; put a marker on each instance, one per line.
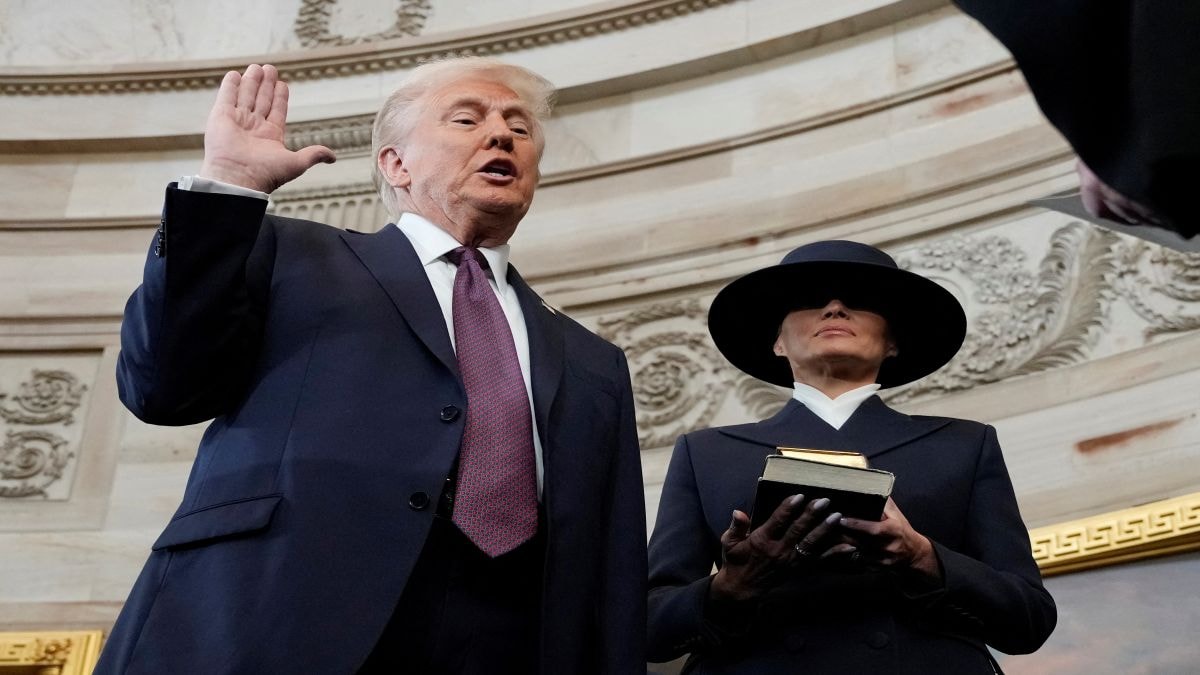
(1121, 80)
(948, 568)
(416, 465)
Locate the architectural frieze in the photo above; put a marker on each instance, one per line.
(356, 57)
(1032, 307)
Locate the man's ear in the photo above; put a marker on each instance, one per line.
(891, 350)
(779, 345)
(392, 168)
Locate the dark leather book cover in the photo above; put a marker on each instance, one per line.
(852, 491)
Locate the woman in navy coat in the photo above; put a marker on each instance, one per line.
(945, 572)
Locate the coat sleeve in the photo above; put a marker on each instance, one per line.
(192, 329)
(623, 604)
(994, 584)
(682, 555)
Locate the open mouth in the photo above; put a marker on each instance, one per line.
(499, 168)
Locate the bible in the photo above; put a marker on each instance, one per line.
(853, 489)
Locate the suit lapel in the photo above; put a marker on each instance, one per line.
(794, 426)
(390, 258)
(873, 429)
(546, 355)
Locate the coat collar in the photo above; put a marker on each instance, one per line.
(390, 258)
(873, 429)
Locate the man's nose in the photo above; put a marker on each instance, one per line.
(499, 135)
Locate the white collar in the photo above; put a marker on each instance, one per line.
(834, 411)
(432, 243)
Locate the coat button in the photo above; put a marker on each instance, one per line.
(878, 640)
(417, 501)
(449, 413)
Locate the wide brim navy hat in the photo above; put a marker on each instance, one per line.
(926, 321)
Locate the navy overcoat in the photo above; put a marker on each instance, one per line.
(951, 484)
(325, 360)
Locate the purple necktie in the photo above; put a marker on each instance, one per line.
(495, 503)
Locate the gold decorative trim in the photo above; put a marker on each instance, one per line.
(1146, 531)
(50, 652)
(359, 58)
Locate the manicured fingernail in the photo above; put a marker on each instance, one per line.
(834, 518)
(821, 503)
(795, 499)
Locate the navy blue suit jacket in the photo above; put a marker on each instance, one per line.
(325, 360)
(951, 484)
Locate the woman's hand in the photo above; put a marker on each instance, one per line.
(755, 561)
(890, 543)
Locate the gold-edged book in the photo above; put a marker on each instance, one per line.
(840, 457)
(853, 489)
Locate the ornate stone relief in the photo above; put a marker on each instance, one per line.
(1023, 318)
(1020, 321)
(32, 460)
(679, 378)
(1162, 293)
(312, 23)
(51, 396)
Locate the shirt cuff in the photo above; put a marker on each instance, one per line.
(199, 184)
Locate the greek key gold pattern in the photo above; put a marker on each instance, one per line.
(64, 652)
(1167, 526)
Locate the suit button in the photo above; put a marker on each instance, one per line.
(449, 413)
(417, 501)
(878, 640)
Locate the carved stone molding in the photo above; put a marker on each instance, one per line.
(312, 23)
(344, 135)
(51, 396)
(679, 378)
(1162, 293)
(1022, 322)
(356, 206)
(1034, 304)
(355, 59)
(1158, 528)
(30, 461)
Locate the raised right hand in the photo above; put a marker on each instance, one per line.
(243, 139)
(757, 561)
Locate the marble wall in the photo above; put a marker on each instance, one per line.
(696, 140)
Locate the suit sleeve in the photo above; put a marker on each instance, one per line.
(623, 606)
(995, 584)
(192, 329)
(682, 554)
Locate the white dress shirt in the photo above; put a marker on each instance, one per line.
(835, 411)
(432, 243)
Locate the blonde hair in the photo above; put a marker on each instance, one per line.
(396, 118)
